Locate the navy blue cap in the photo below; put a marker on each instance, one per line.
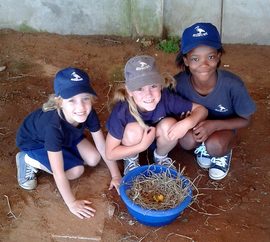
(200, 34)
(72, 81)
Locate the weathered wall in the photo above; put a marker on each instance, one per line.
(180, 14)
(241, 21)
(246, 21)
(83, 17)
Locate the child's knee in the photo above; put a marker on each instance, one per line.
(164, 126)
(133, 134)
(94, 159)
(188, 144)
(219, 143)
(216, 148)
(75, 172)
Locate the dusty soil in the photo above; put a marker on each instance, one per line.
(234, 209)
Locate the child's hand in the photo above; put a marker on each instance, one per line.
(149, 136)
(115, 182)
(203, 130)
(81, 209)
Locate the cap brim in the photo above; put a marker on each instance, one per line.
(73, 91)
(190, 47)
(144, 80)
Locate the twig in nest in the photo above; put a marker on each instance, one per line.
(10, 213)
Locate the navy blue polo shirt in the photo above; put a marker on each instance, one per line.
(170, 105)
(48, 130)
(228, 99)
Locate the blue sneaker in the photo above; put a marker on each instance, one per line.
(220, 166)
(202, 156)
(26, 174)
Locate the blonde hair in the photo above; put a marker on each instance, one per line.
(122, 95)
(54, 102)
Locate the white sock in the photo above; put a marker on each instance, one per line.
(159, 157)
(132, 157)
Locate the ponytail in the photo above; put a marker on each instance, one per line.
(53, 103)
(169, 81)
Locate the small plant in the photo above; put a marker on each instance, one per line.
(170, 45)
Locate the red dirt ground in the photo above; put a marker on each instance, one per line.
(234, 209)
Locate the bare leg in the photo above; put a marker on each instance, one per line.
(164, 145)
(88, 152)
(132, 135)
(220, 143)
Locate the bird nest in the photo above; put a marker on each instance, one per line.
(158, 191)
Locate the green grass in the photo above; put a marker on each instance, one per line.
(170, 45)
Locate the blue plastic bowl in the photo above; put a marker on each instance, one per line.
(146, 216)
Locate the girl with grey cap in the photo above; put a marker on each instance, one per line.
(144, 113)
(52, 139)
(223, 93)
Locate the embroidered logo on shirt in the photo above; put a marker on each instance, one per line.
(76, 77)
(162, 117)
(200, 32)
(221, 109)
(143, 66)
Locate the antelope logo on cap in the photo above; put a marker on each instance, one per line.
(76, 77)
(143, 66)
(200, 32)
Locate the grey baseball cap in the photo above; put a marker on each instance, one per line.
(141, 71)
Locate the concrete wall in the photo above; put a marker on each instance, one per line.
(83, 17)
(147, 17)
(239, 21)
(246, 21)
(180, 14)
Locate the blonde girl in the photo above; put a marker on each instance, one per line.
(146, 114)
(52, 139)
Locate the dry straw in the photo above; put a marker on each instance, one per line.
(159, 191)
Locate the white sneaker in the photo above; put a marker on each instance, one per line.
(26, 174)
(202, 156)
(220, 166)
(130, 164)
(166, 161)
